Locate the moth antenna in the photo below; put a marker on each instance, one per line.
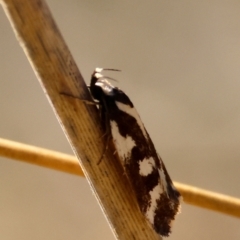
(109, 78)
(111, 69)
(99, 70)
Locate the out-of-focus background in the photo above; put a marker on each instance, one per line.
(180, 66)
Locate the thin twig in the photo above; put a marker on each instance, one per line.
(69, 164)
(210, 200)
(40, 156)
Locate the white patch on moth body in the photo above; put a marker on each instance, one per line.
(155, 195)
(104, 84)
(132, 112)
(98, 75)
(146, 166)
(98, 70)
(123, 145)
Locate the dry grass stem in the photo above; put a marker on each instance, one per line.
(57, 73)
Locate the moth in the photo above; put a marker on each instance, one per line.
(157, 197)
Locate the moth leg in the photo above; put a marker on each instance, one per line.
(105, 148)
(105, 117)
(93, 102)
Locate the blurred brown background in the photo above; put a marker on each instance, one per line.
(180, 66)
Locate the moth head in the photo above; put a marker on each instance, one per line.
(100, 85)
(97, 76)
(98, 70)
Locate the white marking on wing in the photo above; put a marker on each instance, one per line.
(155, 195)
(132, 112)
(146, 166)
(123, 145)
